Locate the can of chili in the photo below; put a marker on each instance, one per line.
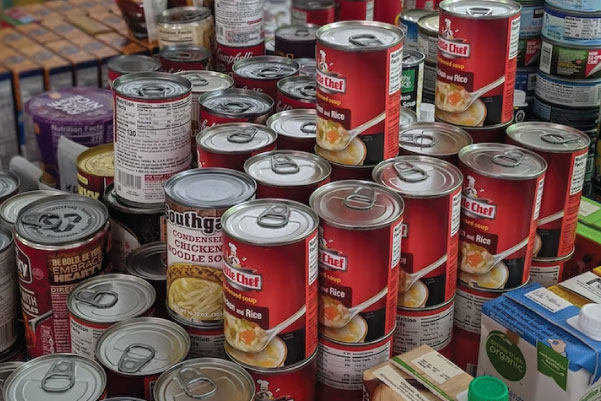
(99, 302)
(261, 330)
(355, 10)
(548, 271)
(358, 304)
(295, 129)
(288, 174)
(296, 41)
(152, 134)
(431, 190)
(60, 376)
(10, 208)
(61, 241)
(262, 73)
(227, 56)
(207, 340)
(477, 59)
(501, 202)
(131, 63)
(95, 171)
(318, 12)
(388, 11)
(186, 26)
(412, 83)
(8, 289)
(491, 133)
(230, 145)
(439, 140)
(565, 150)
(408, 23)
(359, 91)
(184, 58)
(296, 92)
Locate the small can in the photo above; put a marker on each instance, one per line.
(408, 23)
(359, 91)
(239, 23)
(318, 12)
(529, 51)
(502, 193)
(340, 366)
(492, 133)
(227, 56)
(135, 352)
(298, 92)
(195, 203)
(581, 5)
(440, 140)
(152, 134)
(531, 18)
(577, 117)
(234, 105)
(99, 302)
(230, 145)
(412, 83)
(525, 80)
(184, 58)
(128, 64)
(477, 59)
(8, 289)
(95, 171)
(60, 241)
(571, 27)
(548, 271)
(358, 304)
(296, 41)
(308, 66)
(428, 259)
(258, 235)
(262, 73)
(224, 380)
(60, 376)
(341, 172)
(572, 62)
(427, 36)
(149, 262)
(288, 174)
(10, 208)
(207, 340)
(355, 10)
(9, 185)
(569, 92)
(388, 11)
(188, 25)
(565, 150)
(295, 129)
(408, 117)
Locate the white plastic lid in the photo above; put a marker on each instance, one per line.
(519, 98)
(427, 113)
(589, 321)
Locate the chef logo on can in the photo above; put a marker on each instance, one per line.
(240, 278)
(475, 206)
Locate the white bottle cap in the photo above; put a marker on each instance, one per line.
(589, 321)
(427, 113)
(519, 99)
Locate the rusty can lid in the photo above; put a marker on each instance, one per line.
(208, 379)
(548, 137)
(407, 117)
(111, 298)
(185, 53)
(297, 123)
(183, 15)
(296, 33)
(9, 183)
(499, 160)
(9, 211)
(204, 81)
(152, 86)
(428, 24)
(235, 138)
(480, 9)
(418, 176)
(433, 139)
(60, 220)
(301, 87)
(313, 4)
(142, 346)
(237, 103)
(357, 205)
(148, 262)
(358, 36)
(56, 376)
(266, 67)
(98, 161)
(287, 168)
(128, 64)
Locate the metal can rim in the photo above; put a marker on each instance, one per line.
(276, 371)
(241, 92)
(104, 148)
(517, 7)
(112, 60)
(384, 338)
(114, 201)
(258, 59)
(158, 75)
(574, 13)
(201, 144)
(372, 24)
(443, 305)
(514, 129)
(165, 16)
(555, 259)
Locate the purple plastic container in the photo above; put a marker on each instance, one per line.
(84, 115)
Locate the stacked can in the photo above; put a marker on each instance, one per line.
(408, 23)
(427, 44)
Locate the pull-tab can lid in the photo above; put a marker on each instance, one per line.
(503, 161)
(548, 137)
(359, 36)
(287, 168)
(481, 9)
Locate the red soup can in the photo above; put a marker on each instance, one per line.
(262, 73)
(318, 12)
(128, 64)
(565, 150)
(341, 172)
(439, 140)
(296, 93)
(477, 59)
(491, 133)
(288, 174)
(184, 58)
(502, 192)
(358, 304)
(548, 271)
(431, 189)
(355, 10)
(258, 236)
(359, 91)
(227, 56)
(230, 145)
(60, 241)
(295, 129)
(296, 41)
(388, 11)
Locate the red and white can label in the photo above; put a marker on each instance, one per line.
(295, 385)
(353, 10)
(206, 343)
(227, 56)
(239, 23)
(431, 327)
(285, 102)
(84, 336)
(317, 16)
(468, 308)
(420, 4)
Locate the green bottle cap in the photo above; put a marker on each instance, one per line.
(487, 388)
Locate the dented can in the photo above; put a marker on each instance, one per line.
(95, 171)
(318, 12)
(262, 73)
(440, 140)
(296, 41)
(184, 58)
(296, 92)
(295, 129)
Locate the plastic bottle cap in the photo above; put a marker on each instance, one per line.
(427, 113)
(589, 320)
(487, 388)
(519, 99)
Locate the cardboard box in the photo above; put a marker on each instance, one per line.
(38, 33)
(37, 11)
(14, 39)
(62, 28)
(122, 44)
(85, 65)
(58, 72)
(587, 254)
(88, 25)
(102, 52)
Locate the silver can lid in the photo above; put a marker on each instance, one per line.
(183, 15)
(407, 117)
(235, 138)
(267, 222)
(499, 160)
(185, 53)
(314, 4)
(411, 58)
(6, 239)
(204, 81)
(429, 24)
(123, 399)
(131, 63)
(6, 369)
(297, 33)
(208, 379)
(114, 203)
(9, 183)
(481, 9)
(111, 298)
(61, 219)
(237, 103)
(266, 67)
(433, 139)
(287, 168)
(298, 123)
(418, 176)
(12, 206)
(357, 205)
(548, 137)
(148, 262)
(300, 87)
(152, 86)
(308, 66)
(414, 14)
(56, 377)
(142, 346)
(357, 36)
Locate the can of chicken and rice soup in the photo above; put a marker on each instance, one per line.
(439, 140)
(548, 271)
(95, 171)
(262, 73)
(295, 129)
(298, 92)
(149, 262)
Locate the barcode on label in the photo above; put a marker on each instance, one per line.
(8, 333)
(545, 57)
(130, 180)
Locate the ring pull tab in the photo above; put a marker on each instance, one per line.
(94, 298)
(365, 39)
(190, 16)
(479, 11)
(152, 90)
(510, 158)
(60, 377)
(557, 139)
(314, 4)
(182, 55)
(191, 377)
(234, 107)
(407, 57)
(302, 32)
(282, 164)
(410, 173)
(360, 199)
(197, 80)
(270, 72)
(425, 139)
(277, 216)
(45, 221)
(309, 90)
(243, 135)
(308, 128)
(130, 363)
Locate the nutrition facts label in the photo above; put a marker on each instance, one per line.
(434, 329)
(239, 23)
(468, 310)
(545, 275)
(582, 28)
(207, 346)
(578, 174)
